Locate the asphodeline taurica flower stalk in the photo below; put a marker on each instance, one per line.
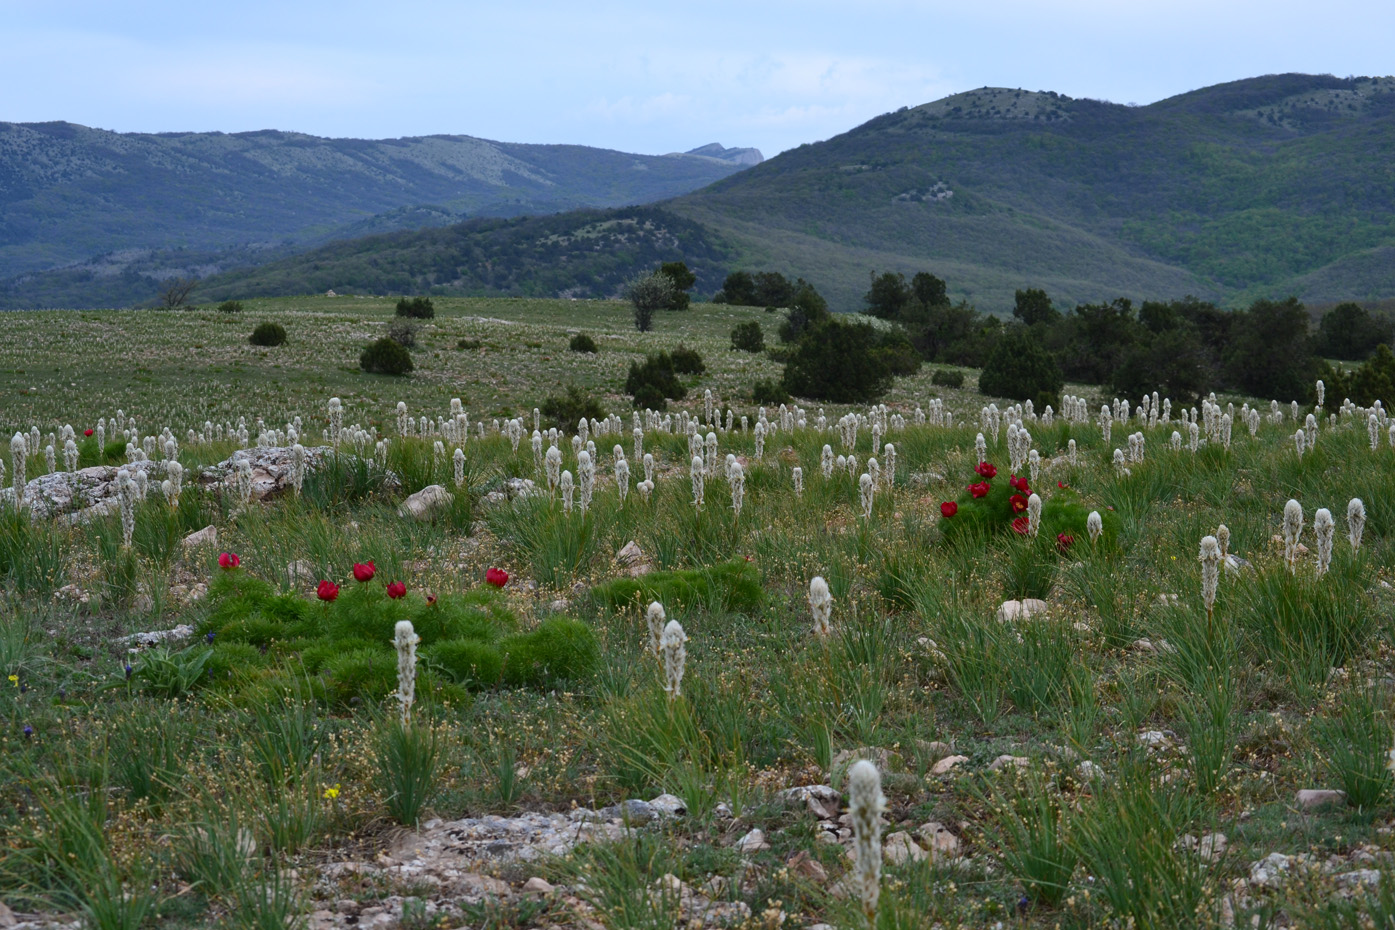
(865, 806)
(1324, 527)
(820, 606)
(553, 463)
(738, 486)
(1210, 557)
(1033, 514)
(622, 480)
(458, 460)
(675, 656)
(1356, 522)
(655, 618)
(1094, 526)
(697, 477)
(867, 491)
(1293, 531)
(797, 474)
(19, 448)
(405, 639)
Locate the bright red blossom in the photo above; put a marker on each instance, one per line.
(948, 509)
(1018, 503)
(986, 470)
(1019, 526)
(396, 589)
(227, 561)
(979, 490)
(1019, 484)
(364, 572)
(497, 577)
(1064, 541)
(327, 591)
(87, 432)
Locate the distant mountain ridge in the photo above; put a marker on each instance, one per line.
(69, 192)
(1262, 187)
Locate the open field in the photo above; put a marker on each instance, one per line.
(1104, 752)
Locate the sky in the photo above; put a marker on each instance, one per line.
(643, 76)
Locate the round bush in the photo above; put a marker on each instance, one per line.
(748, 337)
(230, 306)
(468, 662)
(268, 334)
(582, 343)
(687, 361)
(769, 392)
(419, 308)
(385, 357)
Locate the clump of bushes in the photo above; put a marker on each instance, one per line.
(230, 306)
(419, 308)
(947, 377)
(468, 642)
(729, 586)
(468, 344)
(655, 382)
(748, 337)
(838, 362)
(582, 343)
(565, 411)
(687, 361)
(1021, 368)
(268, 334)
(386, 357)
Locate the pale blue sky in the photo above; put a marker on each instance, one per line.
(648, 76)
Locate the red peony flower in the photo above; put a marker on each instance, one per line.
(1018, 503)
(1064, 541)
(430, 600)
(1062, 484)
(1019, 526)
(978, 490)
(364, 572)
(327, 591)
(88, 432)
(948, 509)
(986, 470)
(396, 589)
(1019, 484)
(497, 577)
(227, 561)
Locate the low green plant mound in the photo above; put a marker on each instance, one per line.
(769, 392)
(655, 382)
(687, 361)
(732, 586)
(582, 343)
(419, 308)
(268, 334)
(947, 377)
(230, 306)
(566, 411)
(386, 357)
(468, 642)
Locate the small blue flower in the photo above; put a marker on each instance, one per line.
(28, 731)
(128, 671)
(209, 637)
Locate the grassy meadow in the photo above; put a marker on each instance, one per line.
(1117, 755)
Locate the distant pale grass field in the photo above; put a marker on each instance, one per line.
(208, 783)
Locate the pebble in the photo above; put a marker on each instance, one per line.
(1311, 799)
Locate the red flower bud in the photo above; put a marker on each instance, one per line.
(497, 577)
(1019, 484)
(227, 561)
(1064, 541)
(396, 589)
(986, 470)
(948, 509)
(1019, 526)
(88, 432)
(327, 591)
(979, 490)
(364, 572)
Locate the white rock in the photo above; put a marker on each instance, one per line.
(425, 502)
(754, 841)
(1011, 611)
(669, 806)
(208, 536)
(1005, 760)
(1310, 799)
(947, 763)
(941, 842)
(537, 886)
(899, 848)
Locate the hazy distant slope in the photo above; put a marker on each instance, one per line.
(68, 192)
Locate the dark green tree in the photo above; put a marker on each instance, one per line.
(888, 295)
(748, 337)
(647, 294)
(1375, 380)
(683, 281)
(1350, 332)
(929, 290)
(838, 362)
(1271, 353)
(1033, 306)
(740, 288)
(1020, 368)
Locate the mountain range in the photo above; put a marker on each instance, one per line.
(1268, 186)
